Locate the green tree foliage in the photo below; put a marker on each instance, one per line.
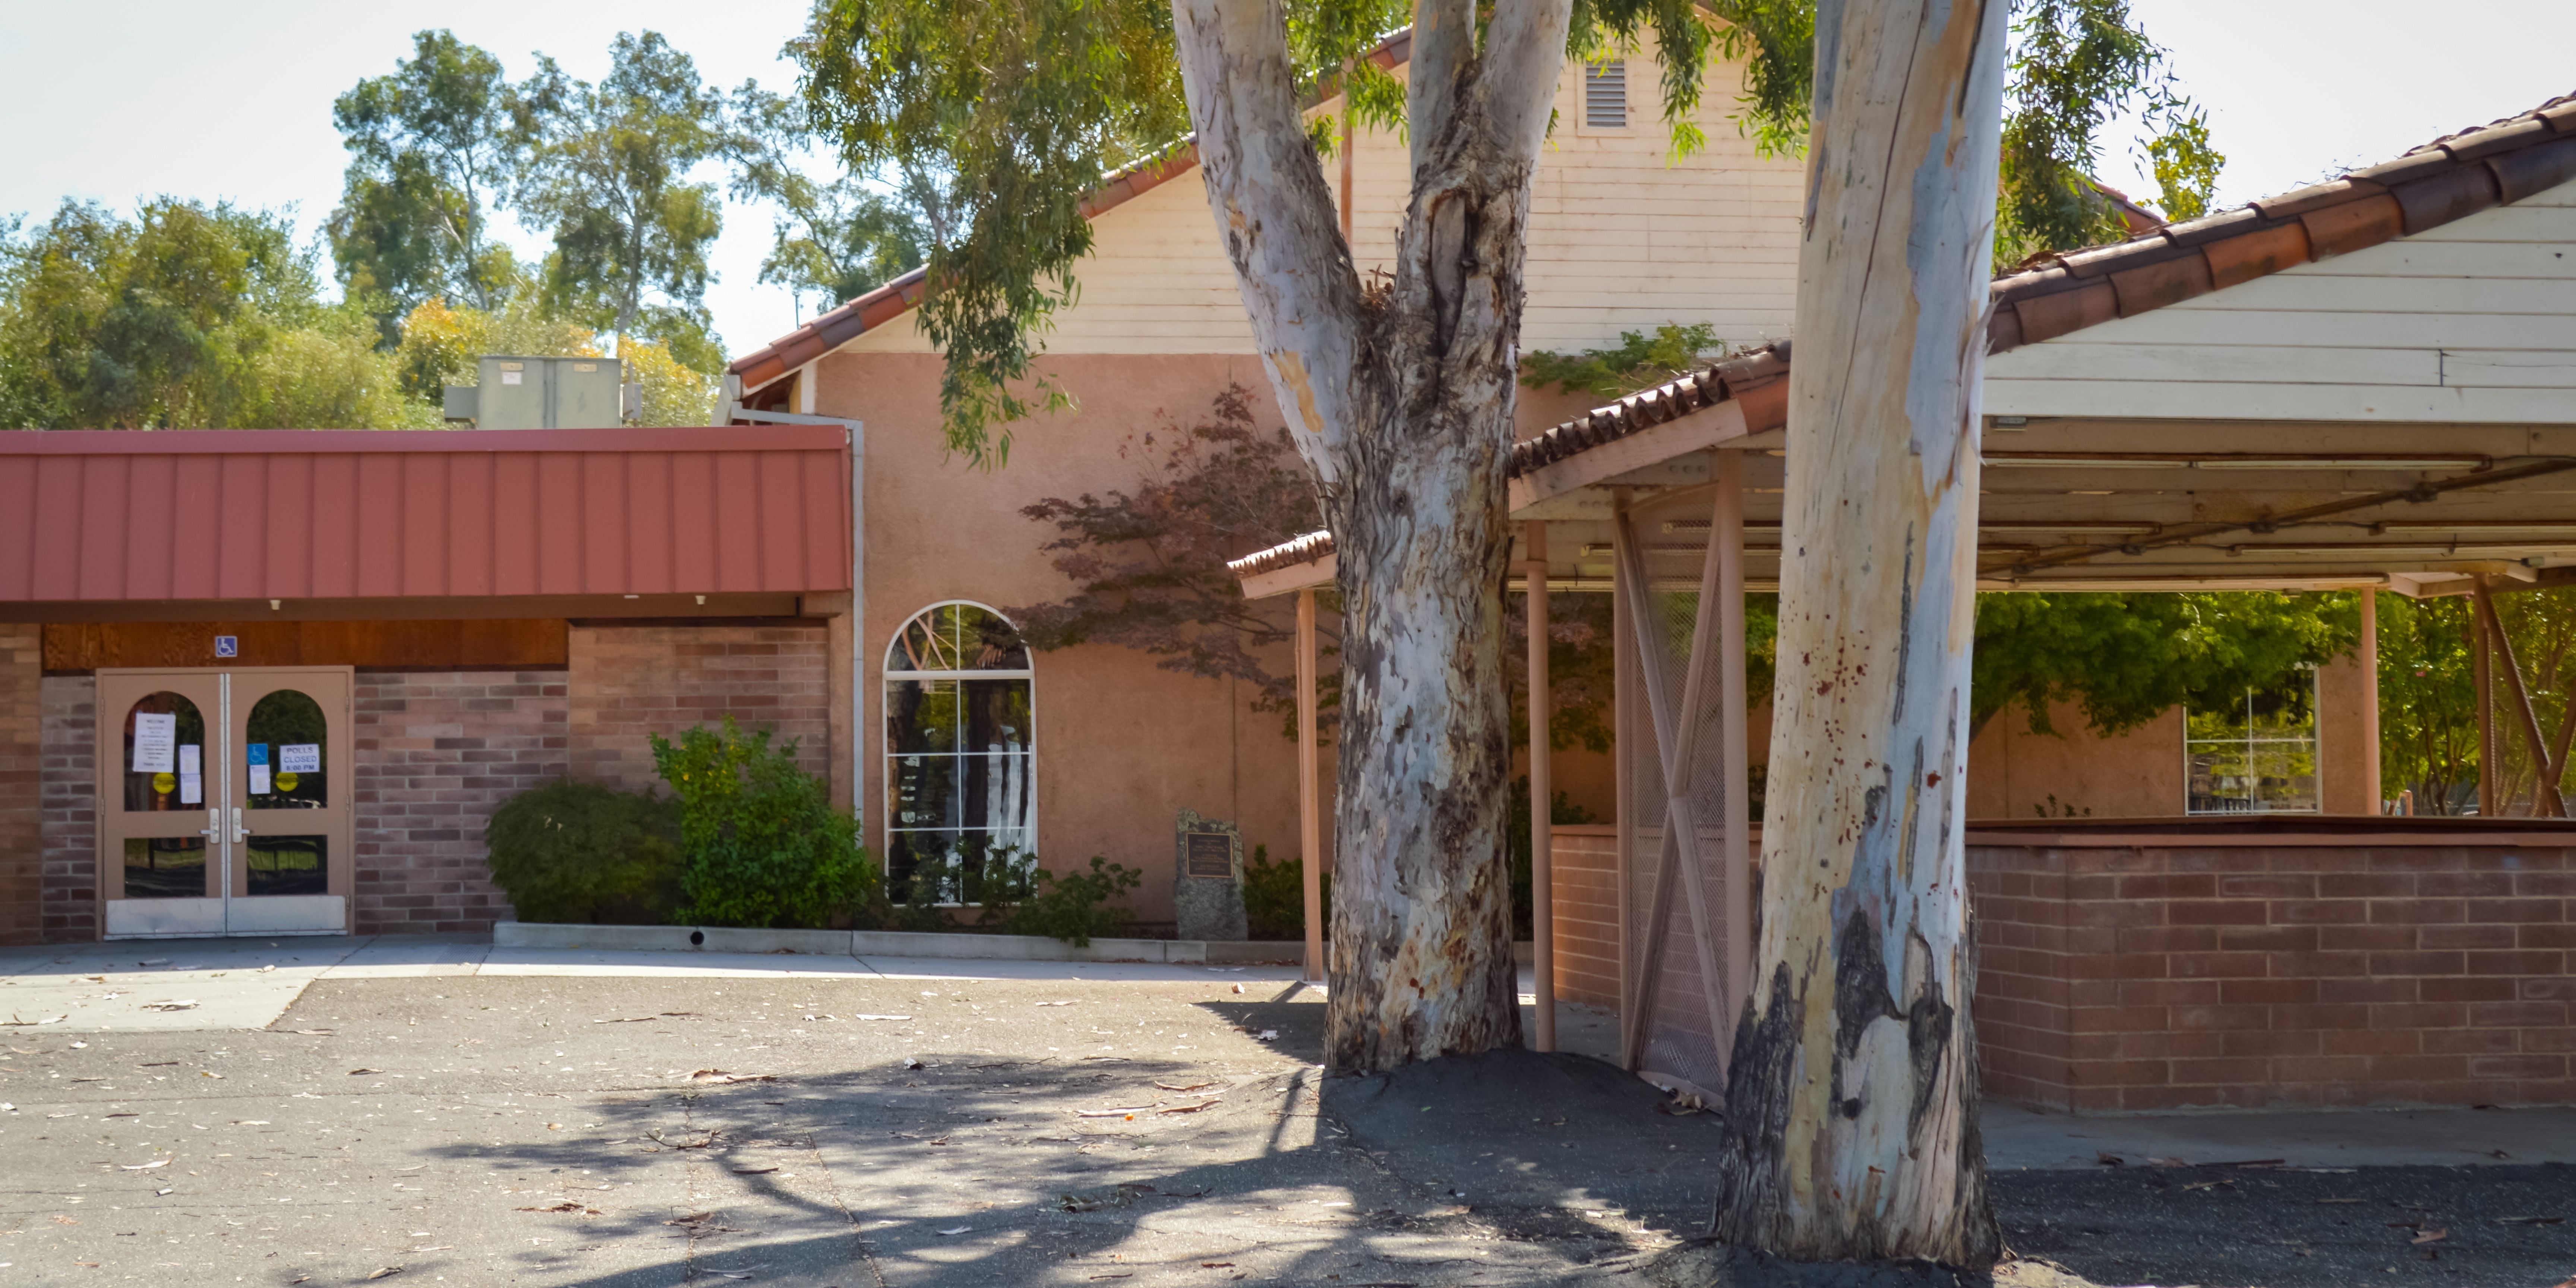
(2428, 702)
(2541, 625)
(187, 316)
(838, 238)
(2185, 165)
(583, 852)
(760, 842)
(2125, 659)
(1641, 360)
(431, 146)
(2075, 65)
(1024, 109)
(608, 176)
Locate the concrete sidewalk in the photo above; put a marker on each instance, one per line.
(183, 984)
(214, 984)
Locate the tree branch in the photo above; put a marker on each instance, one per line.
(1275, 215)
(1444, 48)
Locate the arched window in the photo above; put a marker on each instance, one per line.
(961, 752)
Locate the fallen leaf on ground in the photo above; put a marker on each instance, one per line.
(2434, 1235)
(691, 1219)
(1216, 1265)
(1113, 1113)
(2109, 1159)
(386, 1272)
(884, 1017)
(745, 1272)
(753, 1171)
(567, 1205)
(1069, 1003)
(961, 1229)
(145, 1167)
(64, 1220)
(1190, 1109)
(183, 1005)
(357, 1072)
(1195, 1086)
(2166, 1162)
(722, 1078)
(317, 1033)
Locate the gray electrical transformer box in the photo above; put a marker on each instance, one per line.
(545, 393)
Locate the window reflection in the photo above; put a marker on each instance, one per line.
(288, 865)
(165, 867)
(283, 756)
(2256, 756)
(961, 780)
(165, 741)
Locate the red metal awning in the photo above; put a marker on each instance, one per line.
(329, 514)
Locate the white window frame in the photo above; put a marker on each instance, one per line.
(889, 676)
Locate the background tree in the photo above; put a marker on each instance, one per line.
(432, 147)
(2428, 702)
(187, 316)
(2075, 65)
(2125, 659)
(608, 177)
(838, 238)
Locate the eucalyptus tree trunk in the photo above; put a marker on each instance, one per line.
(1400, 400)
(1852, 1096)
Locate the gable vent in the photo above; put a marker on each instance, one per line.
(1605, 95)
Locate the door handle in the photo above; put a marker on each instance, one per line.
(214, 828)
(240, 833)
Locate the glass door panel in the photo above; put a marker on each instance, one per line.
(294, 862)
(161, 848)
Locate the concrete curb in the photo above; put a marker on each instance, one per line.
(885, 943)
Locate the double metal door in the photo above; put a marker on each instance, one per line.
(224, 801)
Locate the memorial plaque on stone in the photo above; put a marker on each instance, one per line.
(1207, 878)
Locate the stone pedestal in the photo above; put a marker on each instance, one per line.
(1207, 878)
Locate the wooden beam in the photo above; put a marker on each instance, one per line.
(2369, 660)
(1726, 543)
(1310, 807)
(1293, 578)
(1542, 793)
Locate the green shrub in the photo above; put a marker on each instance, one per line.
(582, 852)
(1074, 906)
(1274, 896)
(760, 842)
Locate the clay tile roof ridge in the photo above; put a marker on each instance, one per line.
(1295, 550)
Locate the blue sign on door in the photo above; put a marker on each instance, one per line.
(228, 646)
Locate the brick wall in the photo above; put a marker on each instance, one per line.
(436, 753)
(2144, 977)
(1586, 885)
(630, 681)
(22, 722)
(69, 809)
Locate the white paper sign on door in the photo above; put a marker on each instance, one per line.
(299, 758)
(156, 734)
(192, 787)
(258, 756)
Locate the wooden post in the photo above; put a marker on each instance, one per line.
(2488, 770)
(1542, 796)
(2369, 660)
(1310, 806)
(2546, 768)
(1726, 546)
(1623, 750)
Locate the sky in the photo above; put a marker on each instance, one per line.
(120, 101)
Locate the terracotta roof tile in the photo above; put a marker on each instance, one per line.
(2536, 170)
(2048, 316)
(2163, 282)
(2448, 179)
(2353, 225)
(1295, 550)
(2452, 193)
(1759, 380)
(2257, 253)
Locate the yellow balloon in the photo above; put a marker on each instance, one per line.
(286, 782)
(165, 783)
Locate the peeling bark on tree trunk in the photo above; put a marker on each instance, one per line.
(1851, 1100)
(1401, 402)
